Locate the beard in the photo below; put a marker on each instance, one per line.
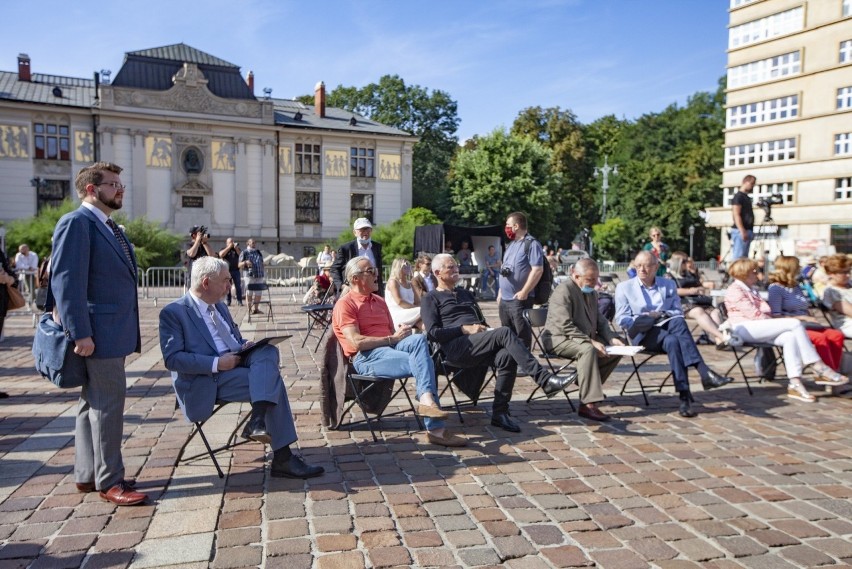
(114, 203)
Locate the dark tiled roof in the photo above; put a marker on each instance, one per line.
(335, 119)
(154, 68)
(72, 91)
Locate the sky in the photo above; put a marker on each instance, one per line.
(494, 57)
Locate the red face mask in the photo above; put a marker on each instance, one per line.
(510, 233)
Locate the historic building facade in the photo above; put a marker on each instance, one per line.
(199, 148)
(789, 121)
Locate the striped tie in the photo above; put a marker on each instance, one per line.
(120, 236)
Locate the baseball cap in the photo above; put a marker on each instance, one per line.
(361, 223)
(194, 229)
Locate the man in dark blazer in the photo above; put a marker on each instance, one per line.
(576, 329)
(362, 246)
(198, 339)
(423, 280)
(93, 279)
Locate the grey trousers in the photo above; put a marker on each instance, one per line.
(592, 368)
(100, 424)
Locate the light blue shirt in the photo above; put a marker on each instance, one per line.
(516, 259)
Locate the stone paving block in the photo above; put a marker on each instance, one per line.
(28, 532)
(238, 536)
(389, 556)
(620, 558)
(697, 549)
(287, 547)
(501, 529)
(119, 541)
(172, 550)
(741, 546)
(244, 556)
(434, 558)
(59, 561)
(345, 542)
(652, 549)
(806, 556)
(799, 528)
(453, 523)
(773, 538)
(65, 544)
(347, 560)
(512, 547)
(332, 524)
(839, 548)
(478, 556)
(769, 561)
(595, 540)
(199, 521)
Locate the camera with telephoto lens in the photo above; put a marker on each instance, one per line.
(766, 203)
(506, 271)
(203, 231)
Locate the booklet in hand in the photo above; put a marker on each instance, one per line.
(271, 341)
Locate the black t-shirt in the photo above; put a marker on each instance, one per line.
(743, 200)
(233, 259)
(445, 312)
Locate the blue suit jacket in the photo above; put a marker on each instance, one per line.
(631, 300)
(94, 285)
(189, 350)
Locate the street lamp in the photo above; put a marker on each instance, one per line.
(691, 235)
(605, 170)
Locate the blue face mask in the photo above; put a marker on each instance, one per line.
(587, 289)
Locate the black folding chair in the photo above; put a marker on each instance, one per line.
(260, 288)
(748, 349)
(537, 318)
(643, 358)
(232, 441)
(318, 318)
(463, 376)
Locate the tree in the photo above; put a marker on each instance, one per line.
(37, 232)
(505, 173)
(432, 116)
(610, 238)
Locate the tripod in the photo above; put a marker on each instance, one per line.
(767, 237)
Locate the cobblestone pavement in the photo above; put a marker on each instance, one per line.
(754, 481)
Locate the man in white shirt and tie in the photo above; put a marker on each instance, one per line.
(199, 339)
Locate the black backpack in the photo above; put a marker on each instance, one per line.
(544, 287)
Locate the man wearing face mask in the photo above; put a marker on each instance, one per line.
(575, 329)
(362, 246)
(523, 266)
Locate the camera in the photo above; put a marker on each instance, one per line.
(506, 271)
(766, 203)
(203, 231)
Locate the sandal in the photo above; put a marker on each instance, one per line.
(799, 393)
(827, 376)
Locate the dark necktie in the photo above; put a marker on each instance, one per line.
(224, 333)
(120, 236)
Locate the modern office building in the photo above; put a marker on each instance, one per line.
(789, 121)
(199, 148)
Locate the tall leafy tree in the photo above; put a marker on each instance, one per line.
(505, 173)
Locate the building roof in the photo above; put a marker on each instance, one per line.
(335, 119)
(48, 89)
(154, 68)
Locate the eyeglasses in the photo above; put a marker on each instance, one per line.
(117, 186)
(371, 271)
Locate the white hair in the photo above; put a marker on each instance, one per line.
(439, 260)
(583, 266)
(206, 267)
(352, 267)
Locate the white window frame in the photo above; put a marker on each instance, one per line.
(771, 151)
(762, 191)
(762, 112)
(845, 51)
(767, 27)
(762, 70)
(843, 188)
(843, 144)
(847, 8)
(844, 98)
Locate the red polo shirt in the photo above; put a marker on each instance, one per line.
(368, 313)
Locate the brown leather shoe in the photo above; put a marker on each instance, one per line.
(86, 487)
(447, 440)
(591, 411)
(431, 411)
(122, 494)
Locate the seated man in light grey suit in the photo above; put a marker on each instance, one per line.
(198, 338)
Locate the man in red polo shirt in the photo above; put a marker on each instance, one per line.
(363, 326)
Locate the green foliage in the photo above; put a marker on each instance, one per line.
(153, 245)
(37, 231)
(397, 238)
(505, 173)
(610, 238)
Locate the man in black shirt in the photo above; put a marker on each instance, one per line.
(231, 255)
(450, 318)
(741, 232)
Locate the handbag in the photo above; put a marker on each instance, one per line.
(54, 355)
(16, 299)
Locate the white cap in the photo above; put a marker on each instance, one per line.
(361, 223)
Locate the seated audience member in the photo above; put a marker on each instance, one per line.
(450, 319)
(819, 277)
(837, 296)
(749, 316)
(491, 268)
(423, 280)
(402, 298)
(787, 300)
(320, 289)
(363, 326)
(649, 309)
(198, 339)
(464, 255)
(576, 329)
(695, 302)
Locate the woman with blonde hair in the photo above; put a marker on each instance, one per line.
(787, 299)
(402, 299)
(695, 302)
(658, 249)
(750, 318)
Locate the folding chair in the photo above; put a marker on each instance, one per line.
(537, 318)
(260, 287)
(319, 318)
(199, 430)
(644, 358)
(462, 374)
(747, 349)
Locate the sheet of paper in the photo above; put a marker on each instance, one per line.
(623, 350)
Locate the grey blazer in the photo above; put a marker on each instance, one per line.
(573, 315)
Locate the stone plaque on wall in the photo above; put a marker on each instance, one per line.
(192, 201)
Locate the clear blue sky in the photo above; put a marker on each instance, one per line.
(495, 57)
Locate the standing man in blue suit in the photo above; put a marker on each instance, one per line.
(198, 339)
(649, 309)
(93, 279)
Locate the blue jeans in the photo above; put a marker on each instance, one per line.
(739, 247)
(410, 357)
(494, 272)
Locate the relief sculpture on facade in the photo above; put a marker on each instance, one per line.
(84, 148)
(158, 152)
(336, 164)
(389, 167)
(14, 141)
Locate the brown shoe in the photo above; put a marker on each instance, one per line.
(447, 440)
(431, 411)
(86, 487)
(122, 494)
(591, 411)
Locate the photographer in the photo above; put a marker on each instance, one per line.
(251, 261)
(231, 255)
(742, 231)
(200, 246)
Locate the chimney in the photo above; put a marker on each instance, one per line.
(24, 73)
(319, 99)
(250, 81)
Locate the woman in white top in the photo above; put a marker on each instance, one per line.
(402, 299)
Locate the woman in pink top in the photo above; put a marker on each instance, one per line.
(751, 319)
